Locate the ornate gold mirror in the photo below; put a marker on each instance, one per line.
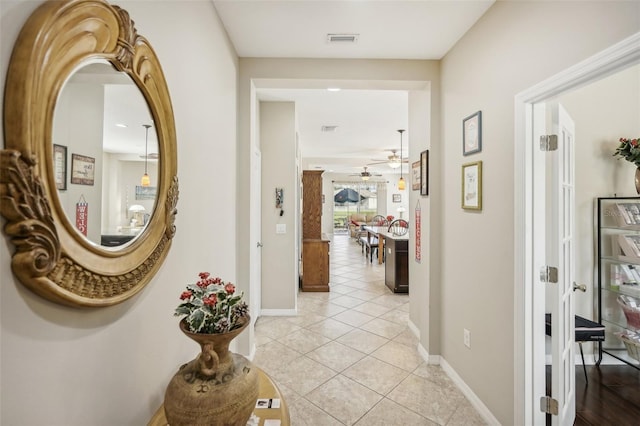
(57, 175)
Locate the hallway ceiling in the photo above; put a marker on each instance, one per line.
(367, 119)
(386, 29)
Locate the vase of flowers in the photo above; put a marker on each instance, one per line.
(218, 387)
(630, 151)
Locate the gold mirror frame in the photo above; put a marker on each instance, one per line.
(51, 257)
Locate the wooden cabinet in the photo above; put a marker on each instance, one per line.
(312, 204)
(396, 273)
(315, 247)
(315, 265)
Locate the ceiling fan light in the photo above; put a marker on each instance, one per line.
(365, 177)
(394, 164)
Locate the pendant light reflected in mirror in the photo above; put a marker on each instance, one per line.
(146, 180)
(401, 182)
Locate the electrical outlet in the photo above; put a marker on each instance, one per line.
(467, 338)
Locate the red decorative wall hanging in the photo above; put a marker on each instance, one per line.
(81, 215)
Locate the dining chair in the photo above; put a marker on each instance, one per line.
(398, 227)
(379, 220)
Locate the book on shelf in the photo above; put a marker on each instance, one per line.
(628, 214)
(616, 276)
(630, 244)
(635, 272)
(627, 275)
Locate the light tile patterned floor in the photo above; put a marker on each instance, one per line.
(348, 357)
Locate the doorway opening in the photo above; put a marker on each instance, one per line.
(529, 198)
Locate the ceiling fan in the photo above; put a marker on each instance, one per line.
(150, 156)
(394, 161)
(365, 175)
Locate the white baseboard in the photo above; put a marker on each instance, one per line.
(414, 329)
(457, 380)
(429, 359)
(252, 353)
(589, 359)
(468, 393)
(279, 312)
(609, 360)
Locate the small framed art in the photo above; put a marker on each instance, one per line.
(472, 186)
(396, 198)
(415, 176)
(146, 192)
(83, 169)
(60, 166)
(424, 172)
(472, 134)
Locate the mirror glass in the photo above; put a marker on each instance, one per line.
(102, 147)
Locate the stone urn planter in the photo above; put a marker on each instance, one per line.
(217, 388)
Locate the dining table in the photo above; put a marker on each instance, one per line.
(379, 232)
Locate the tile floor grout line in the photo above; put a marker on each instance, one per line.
(327, 319)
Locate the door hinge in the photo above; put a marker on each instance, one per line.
(548, 142)
(549, 274)
(549, 405)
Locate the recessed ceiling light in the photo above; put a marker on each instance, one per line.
(328, 128)
(333, 89)
(121, 125)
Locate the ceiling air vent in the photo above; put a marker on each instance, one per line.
(328, 128)
(342, 38)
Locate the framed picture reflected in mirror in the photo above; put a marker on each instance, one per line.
(60, 166)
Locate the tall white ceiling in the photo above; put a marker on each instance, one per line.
(392, 29)
(367, 120)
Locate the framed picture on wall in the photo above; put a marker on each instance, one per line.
(424, 172)
(415, 176)
(146, 192)
(472, 134)
(83, 169)
(472, 186)
(60, 166)
(396, 198)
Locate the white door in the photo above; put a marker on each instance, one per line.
(255, 256)
(560, 241)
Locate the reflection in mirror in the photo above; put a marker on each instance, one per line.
(103, 120)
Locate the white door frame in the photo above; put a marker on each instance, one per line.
(529, 293)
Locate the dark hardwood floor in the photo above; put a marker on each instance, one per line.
(612, 396)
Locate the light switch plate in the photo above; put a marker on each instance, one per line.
(281, 228)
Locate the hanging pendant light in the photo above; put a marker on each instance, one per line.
(146, 180)
(401, 182)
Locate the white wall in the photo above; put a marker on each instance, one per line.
(512, 47)
(279, 256)
(110, 366)
(78, 126)
(392, 188)
(327, 207)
